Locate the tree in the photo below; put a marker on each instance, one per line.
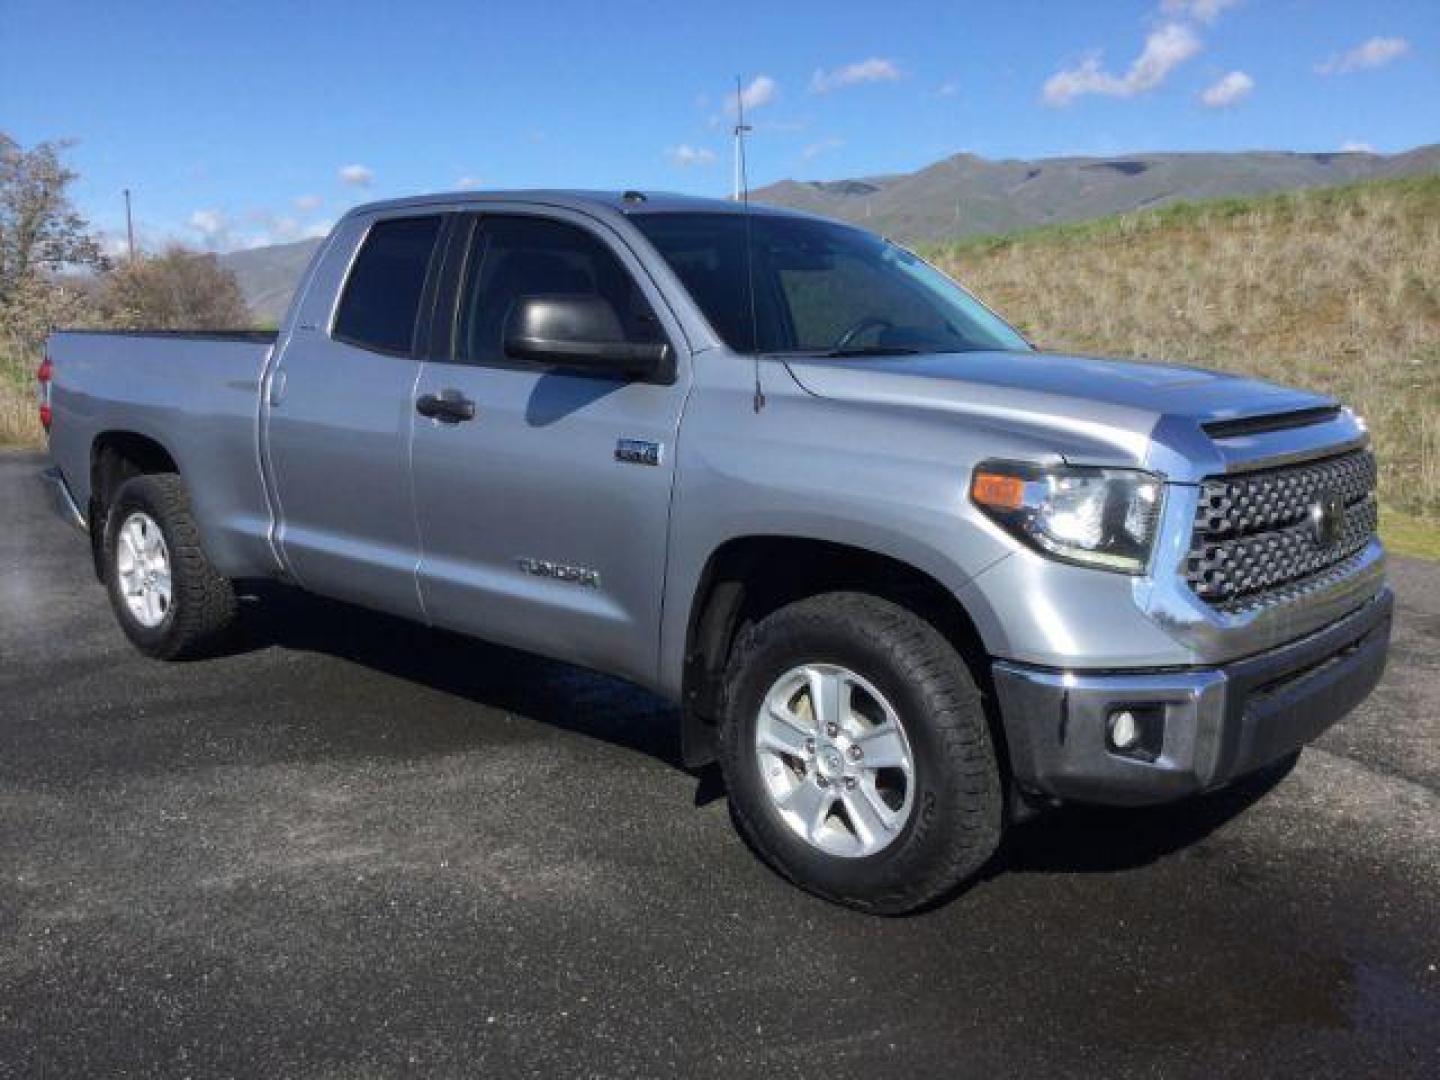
(178, 289)
(41, 234)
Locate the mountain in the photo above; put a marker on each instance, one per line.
(268, 276)
(965, 195)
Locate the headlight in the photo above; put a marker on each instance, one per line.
(1105, 518)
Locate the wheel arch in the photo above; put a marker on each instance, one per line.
(747, 577)
(115, 457)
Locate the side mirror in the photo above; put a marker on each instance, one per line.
(577, 332)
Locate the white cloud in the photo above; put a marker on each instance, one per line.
(1377, 52)
(947, 89)
(824, 146)
(271, 228)
(762, 90)
(356, 175)
(307, 203)
(686, 155)
(214, 229)
(1355, 146)
(1229, 90)
(1205, 11)
(875, 69)
(219, 231)
(1165, 49)
(116, 245)
(468, 183)
(208, 222)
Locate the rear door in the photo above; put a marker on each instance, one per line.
(543, 518)
(338, 415)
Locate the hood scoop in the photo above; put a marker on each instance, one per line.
(1266, 422)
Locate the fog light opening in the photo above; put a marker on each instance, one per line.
(1124, 730)
(1136, 731)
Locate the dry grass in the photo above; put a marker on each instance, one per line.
(1337, 290)
(19, 422)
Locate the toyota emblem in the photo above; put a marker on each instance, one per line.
(1327, 519)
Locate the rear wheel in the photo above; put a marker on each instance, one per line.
(857, 755)
(169, 599)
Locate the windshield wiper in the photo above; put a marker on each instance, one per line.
(870, 350)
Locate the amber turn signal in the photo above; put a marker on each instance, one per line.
(997, 491)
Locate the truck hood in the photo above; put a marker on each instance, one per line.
(1123, 406)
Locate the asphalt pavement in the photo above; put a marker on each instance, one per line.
(359, 848)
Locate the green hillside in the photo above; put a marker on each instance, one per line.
(1335, 289)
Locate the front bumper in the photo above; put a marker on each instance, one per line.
(1217, 724)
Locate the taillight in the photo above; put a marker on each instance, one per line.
(45, 375)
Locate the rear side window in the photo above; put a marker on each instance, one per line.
(382, 296)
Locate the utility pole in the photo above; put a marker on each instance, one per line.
(129, 226)
(742, 183)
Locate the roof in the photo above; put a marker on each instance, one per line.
(615, 202)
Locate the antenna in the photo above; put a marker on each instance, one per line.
(742, 194)
(742, 182)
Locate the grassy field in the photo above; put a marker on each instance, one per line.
(1337, 290)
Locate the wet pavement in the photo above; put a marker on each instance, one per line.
(359, 848)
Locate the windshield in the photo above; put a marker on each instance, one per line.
(820, 288)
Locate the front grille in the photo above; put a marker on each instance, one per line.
(1255, 541)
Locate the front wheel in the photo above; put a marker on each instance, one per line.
(857, 754)
(170, 601)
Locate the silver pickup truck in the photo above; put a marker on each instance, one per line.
(909, 578)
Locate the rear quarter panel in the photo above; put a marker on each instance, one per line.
(197, 398)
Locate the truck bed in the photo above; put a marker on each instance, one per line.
(253, 337)
(194, 393)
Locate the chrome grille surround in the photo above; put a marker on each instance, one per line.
(1253, 543)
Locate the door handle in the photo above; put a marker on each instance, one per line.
(449, 406)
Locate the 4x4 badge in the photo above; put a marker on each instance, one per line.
(638, 451)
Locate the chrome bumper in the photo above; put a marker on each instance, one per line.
(1216, 724)
(65, 505)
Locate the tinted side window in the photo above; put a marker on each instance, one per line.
(382, 296)
(513, 257)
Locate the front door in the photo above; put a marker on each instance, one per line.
(543, 515)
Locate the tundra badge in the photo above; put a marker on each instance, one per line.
(576, 575)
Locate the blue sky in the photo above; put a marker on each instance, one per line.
(237, 124)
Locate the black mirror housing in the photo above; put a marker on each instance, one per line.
(580, 331)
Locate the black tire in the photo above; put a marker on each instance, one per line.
(956, 820)
(202, 610)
